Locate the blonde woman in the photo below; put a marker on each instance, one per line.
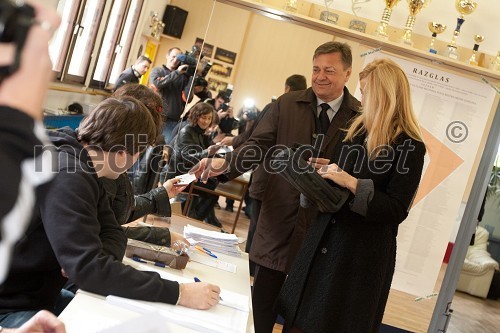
(341, 279)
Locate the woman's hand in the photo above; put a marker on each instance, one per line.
(339, 176)
(317, 162)
(172, 189)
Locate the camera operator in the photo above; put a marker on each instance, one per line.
(171, 80)
(25, 73)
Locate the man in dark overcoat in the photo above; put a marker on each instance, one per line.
(305, 117)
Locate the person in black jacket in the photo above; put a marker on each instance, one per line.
(74, 228)
(129, 207)
(341, 278)
(170, 80)
(23, 168)
(133, 73)
(191, 145)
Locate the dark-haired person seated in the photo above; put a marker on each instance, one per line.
(191, 145)
(129, 207)
(75, 230)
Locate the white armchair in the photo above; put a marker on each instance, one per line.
(479, 267)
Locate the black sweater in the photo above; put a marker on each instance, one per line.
(75, 229)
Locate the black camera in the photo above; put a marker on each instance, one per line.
(224, 106)
(251, 114)
(190, 59)
(15, 22)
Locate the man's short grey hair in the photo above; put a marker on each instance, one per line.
(332, 47)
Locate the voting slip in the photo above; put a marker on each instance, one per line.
(215, 241)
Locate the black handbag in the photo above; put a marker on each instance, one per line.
(292, 165)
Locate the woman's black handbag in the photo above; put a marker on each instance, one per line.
(292, 165)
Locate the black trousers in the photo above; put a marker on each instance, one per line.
(267, 284)
(254, 217)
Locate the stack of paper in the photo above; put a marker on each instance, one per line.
(214, 241)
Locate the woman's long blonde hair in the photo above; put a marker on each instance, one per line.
(387, 109)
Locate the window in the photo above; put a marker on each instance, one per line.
(117, 41)
(93, 28)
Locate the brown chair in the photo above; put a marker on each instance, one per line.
(234, 189)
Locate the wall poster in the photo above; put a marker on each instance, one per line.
(225, 56)
(453, 112)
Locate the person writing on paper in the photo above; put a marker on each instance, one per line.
(191, 145)
(341, 278)
(76, 230)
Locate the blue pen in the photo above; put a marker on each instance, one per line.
(198, 280)
(209, 252)
(156, 263)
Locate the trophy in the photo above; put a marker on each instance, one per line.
(472, 60)
(357, 25)
(495, 63)
(464, 7)
(436, 29)
(414, 6)
(156, 25)
(382, 28)
(329, 17)
(291, 5)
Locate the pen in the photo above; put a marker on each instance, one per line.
(156, 263)
(198, 280)
(206, 251)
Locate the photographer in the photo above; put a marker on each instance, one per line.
(25, 70)
(171, 80)
(225, 112)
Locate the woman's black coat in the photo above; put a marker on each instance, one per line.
(341, 278)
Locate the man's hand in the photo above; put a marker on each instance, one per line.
(175, 237)
(219, 137)
(213, 149)
(318, 163)
(42, 322)
(173, 190)
(199, 295)
(209, 167)
(221, 114)
(35, 71)
(182, 69)
(227, 141)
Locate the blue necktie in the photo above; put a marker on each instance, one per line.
(324, 121)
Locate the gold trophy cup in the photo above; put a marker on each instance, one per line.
(436, 29)
(414, 6)
(478, 39)
(464, 7)
(381, 31)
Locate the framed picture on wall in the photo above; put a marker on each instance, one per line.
(208, 49)
(225, 55)
(216, 85)
(222, 71)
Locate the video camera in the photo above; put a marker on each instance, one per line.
(191, 59)
(15, 22)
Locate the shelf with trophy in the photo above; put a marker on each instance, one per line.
(150, 40)
(401, 40)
